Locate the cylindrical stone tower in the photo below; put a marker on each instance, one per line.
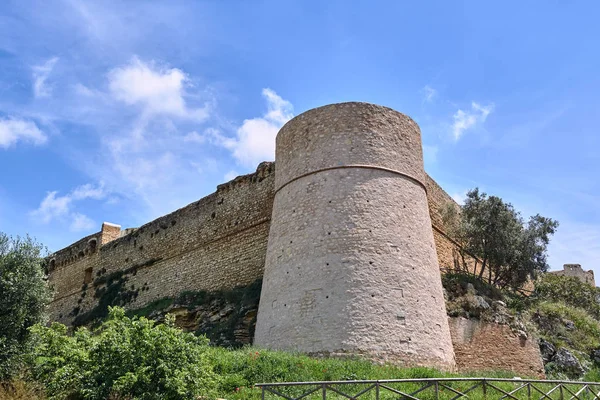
(351, 264)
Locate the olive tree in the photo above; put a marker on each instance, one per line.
(503, 249)
(23, 297)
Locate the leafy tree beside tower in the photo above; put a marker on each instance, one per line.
(496, 244)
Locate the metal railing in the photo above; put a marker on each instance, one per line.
(434, 389)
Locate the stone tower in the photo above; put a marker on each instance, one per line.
(351, 265)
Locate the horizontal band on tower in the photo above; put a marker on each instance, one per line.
(359, 166)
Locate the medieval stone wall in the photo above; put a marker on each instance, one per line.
(482, 346)
(218, 242)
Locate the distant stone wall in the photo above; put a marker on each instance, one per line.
(216, 243)
(575, 271)
(482, 346)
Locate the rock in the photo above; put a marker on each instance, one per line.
(471, 288)
(481, 303)
(569, 325)
(499, 304)
(595, 356)
(522, 334)
(547, 350)
(566, 362)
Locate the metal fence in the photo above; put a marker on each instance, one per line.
(434, 389)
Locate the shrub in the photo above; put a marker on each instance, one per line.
(132, 358)
(568, 290)
(23, 298)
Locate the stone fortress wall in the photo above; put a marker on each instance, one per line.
(218, 242)
(222, 242)
(575, 271)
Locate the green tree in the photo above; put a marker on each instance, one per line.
(505, 251)
(24, 295)
(568, 290)
(123, 358)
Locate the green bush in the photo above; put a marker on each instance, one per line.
(551, 318)
(568, 290)
(132, 358)
(23, 298)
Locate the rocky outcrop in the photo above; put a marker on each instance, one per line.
(564, 361)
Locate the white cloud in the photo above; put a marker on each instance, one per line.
(54, 207)
(194, 137)
(81, 222)
(40, 75)
(255, 139)
(460, 197)
(13, 130)
(429, 93)
(465, 120)
(158, 90)
(230, 176)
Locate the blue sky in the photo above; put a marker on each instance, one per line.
(124, 111)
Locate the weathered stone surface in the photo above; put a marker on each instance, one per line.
(485, 346)
(547, 350)
(595, 356)
(566, 362)
(351, 265)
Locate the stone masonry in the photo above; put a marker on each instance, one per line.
(351, 265)
(347, 234)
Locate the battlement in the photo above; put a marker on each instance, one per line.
(84, 247)
(575, 271)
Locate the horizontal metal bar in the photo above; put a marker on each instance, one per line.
(422, 380)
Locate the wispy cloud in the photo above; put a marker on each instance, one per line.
(459, 197)
(81, 222)
(467, 120)
(158, 90)
(230, 175)
(54, 207)
(429, 93)
(255, 138)
(40, 76)
(13, 130)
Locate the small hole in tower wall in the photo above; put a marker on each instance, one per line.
(88, 275)
(213, 215)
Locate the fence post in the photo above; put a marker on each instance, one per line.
(529, 391)
(377, 390)
(484, 386)
(262, 389)
(437, 390)
(324, 391)
(560, 387)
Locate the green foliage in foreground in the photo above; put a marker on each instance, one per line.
(136, 359)
(128, 358)
(23, 298)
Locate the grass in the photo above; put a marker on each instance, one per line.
(20, 390)
(552, 327)
(242, 368)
